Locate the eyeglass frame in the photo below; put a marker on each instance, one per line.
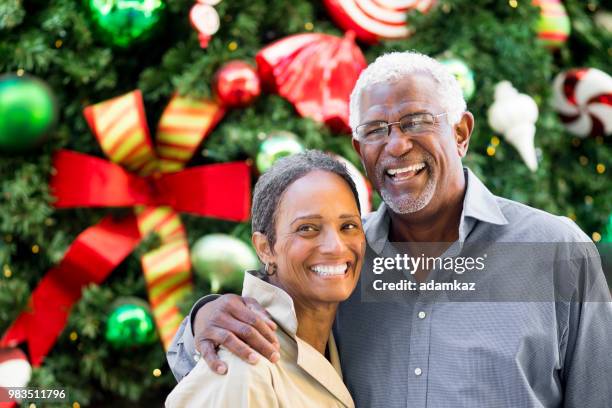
(389, 125)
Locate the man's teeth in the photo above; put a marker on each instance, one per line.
(326, 270)
(412, 168)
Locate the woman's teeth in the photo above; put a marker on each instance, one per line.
(406, 172)
(328, 270)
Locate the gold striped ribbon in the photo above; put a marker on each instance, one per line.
(121, 129)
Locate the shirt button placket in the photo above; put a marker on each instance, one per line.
(419, 354)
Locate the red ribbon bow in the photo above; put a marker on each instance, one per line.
(155, 184)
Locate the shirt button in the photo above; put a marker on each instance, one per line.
(418, 371)
(422, 315)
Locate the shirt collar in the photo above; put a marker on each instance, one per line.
(478, 204)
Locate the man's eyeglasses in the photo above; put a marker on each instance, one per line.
(414, 124)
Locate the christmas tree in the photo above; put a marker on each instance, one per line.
(87, 56)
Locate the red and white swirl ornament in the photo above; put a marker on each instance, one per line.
(372, 20)
(583, 99)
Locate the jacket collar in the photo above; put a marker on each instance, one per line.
(280, 306)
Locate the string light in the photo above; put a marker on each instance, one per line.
(309, 26)
(576, 142)
(601, 168)
(572, 216)
(32, 405)
(513, 3)
(156, 372)
(233, 46)
(76, 405)
(596, 237)
(588, 200)
(74, 336)
(491, 151)
(592, 6)
(35, 249)
(584, 160)
(20, 72)
(59, 43)
(495, 141)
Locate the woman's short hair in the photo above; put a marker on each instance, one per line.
(271, 186)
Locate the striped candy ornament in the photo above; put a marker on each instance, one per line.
(120, 126)
(583, 99)
(553, 26)
(372, 20)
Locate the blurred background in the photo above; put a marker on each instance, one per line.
(131, 132)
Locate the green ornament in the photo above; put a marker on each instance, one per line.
(604, 246)
(276, 145)
(123, 22)
(130, 324)
(222, 259)
(27, 112)
(607, 235)
(463, 73)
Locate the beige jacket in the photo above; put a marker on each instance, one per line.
(301, 378)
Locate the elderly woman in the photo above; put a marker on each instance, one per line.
(307, 232)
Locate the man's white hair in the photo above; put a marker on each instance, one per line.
(394, 66)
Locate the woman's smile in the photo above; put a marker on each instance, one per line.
(332, 270)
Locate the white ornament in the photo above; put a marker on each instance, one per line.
(363, 189)
(205, 19)
(15, 370)
(603, 19)
(514, 115)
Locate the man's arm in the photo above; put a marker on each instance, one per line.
(239, 324)
(588, 361)
(181, 354)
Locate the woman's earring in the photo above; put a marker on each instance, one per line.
(270, 269)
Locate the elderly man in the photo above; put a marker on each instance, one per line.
(411, 130)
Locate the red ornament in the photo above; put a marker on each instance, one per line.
(583, 99)
(316, 73)
(236, 84)
(375, 20)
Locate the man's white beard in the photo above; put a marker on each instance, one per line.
(410, 204)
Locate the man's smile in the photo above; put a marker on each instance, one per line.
(405, 172)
